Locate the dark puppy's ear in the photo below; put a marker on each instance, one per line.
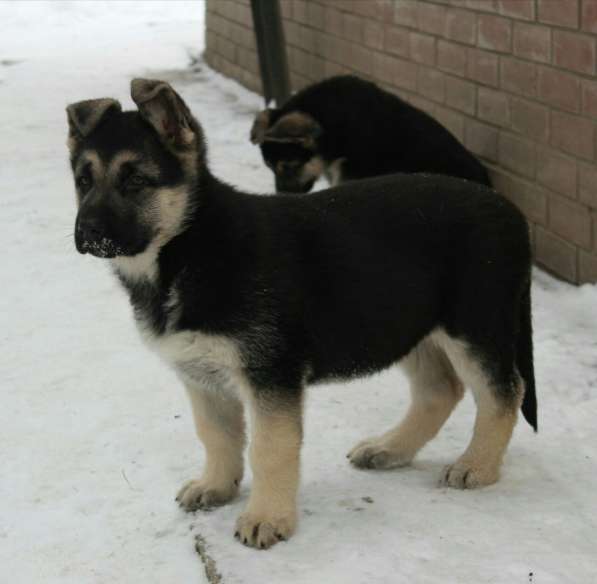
(260, 126)
(295, 127)
(84, 116)
(165, 110)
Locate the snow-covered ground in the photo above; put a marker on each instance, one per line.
(96, 435)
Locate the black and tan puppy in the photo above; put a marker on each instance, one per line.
(346, 128)
(252, 298)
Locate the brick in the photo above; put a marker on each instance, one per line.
(532, 42)
(422, 48)
(529, 118)
(244, 15)
(286, 9)
(383, 66)
(397, 41)
(431, 18)
(518, 76)
(570, 221)
(517, 154)
(484, 5)
(431, 84)
(451, 57)
(373, 34)
(461, 26)
(353, 28)
(481, 139)
(424, 105)
(589, 98)
(520, 9)
(366, 8)
(335, 49)
(589, 16)
(331, 69)
(315, 67)
(574, 51)
(299, 11)
(334, 21)
(461, 95)
(361, 59)
(404, 75)
(558, 12)
(530, 199)
(226, 49)
(587, 183)
(556, 172)
(405, 13)
(493, 106)
(587, 264)
(559, 89)
(556, 254)
(451, 120)
(316, 15)
(495, 33)
(573, 134)
(482, 66)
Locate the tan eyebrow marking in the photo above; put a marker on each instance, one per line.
(129, 156)
(91, 157)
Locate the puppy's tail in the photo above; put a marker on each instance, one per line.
(524, 359)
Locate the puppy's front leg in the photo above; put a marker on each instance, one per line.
(270, 515)
(220, 426)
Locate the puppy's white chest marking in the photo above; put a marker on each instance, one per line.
(211, 361)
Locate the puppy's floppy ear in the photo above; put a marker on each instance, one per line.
(84, 116)
(260, 126)
(295, 127)
(165, 110)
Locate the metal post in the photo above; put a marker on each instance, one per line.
(271, 46)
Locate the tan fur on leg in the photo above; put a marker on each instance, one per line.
(270, 515)
(435, 390)
(220, 426)
(480, 464)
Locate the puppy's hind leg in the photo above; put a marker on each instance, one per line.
(498, 397)
(435, 390)
(220, 427)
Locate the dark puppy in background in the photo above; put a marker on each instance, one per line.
(252, 298)
(346, 128)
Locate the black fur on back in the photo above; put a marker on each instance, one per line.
(379, 133)
(348, 280)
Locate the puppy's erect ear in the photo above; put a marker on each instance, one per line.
(260, 126)
(295, 127)
(165, 110)
(84, 116)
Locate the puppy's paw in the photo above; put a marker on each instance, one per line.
(375, 454)
(200, 494)
(263, 531)
(465, 474)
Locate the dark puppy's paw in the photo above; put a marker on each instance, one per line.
(199, 494)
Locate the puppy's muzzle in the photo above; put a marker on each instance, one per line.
(91, 236)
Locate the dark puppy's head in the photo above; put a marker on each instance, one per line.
(289, 146)
(134, 171)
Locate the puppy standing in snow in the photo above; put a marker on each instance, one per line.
(252, 298)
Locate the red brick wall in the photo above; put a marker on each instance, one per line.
(514, 80)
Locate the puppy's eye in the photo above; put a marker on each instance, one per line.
(137, 181)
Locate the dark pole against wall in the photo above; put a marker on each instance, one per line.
(271, 46)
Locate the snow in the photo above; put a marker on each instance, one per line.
(96, 436)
